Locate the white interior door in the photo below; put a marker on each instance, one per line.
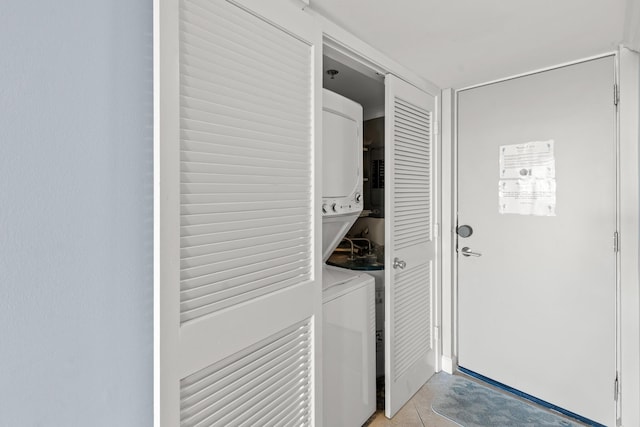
(409, 242)
(238, 290)
(537, 309)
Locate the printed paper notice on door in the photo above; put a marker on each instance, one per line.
(527, 183)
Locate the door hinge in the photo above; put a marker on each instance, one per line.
(616, 242)
(616, 95)
(616, 388)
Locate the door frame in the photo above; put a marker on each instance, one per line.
(628, 218)
(346, 47)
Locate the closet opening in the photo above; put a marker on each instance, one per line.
(362, 248)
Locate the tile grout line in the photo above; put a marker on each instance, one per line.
(418, 412)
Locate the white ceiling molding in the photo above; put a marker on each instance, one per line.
(631, 39)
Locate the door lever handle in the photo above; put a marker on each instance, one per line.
(467, 252)
(398, 263)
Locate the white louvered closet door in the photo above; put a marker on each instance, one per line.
(238, 259)
(409, 242)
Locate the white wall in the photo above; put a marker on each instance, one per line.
(76, 320)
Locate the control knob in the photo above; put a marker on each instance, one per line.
(358, 197)
(325, 208)
(334, 207)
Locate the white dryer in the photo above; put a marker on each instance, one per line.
(349, 358)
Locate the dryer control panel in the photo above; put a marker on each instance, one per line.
(343, 205)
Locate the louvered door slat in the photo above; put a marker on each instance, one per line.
(407, 128)
(209, 219)
(214, 42)
(189, 199)
(239, 237)
(192, 255)
(207, 394)
(247, 188)
(199, 302)
(196, 75)
(230, 91)
(195, 88)
(200, 159)
(408, 165)
(407, 110)
(202, 168)
(252, 73)
(196, 39)
(413, 311)
(230, 270)
(253, 388)
(192, 98)
(195, 235)
(207, 263)
(409, 199)
(237, 259)
(200, 111)
(414, 216)
(201, 122)
(248, 31)
(238, 272)
(221, 132)
(406, 151)
(412, 174)
(237, 390)
(240, 207)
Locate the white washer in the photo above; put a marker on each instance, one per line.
(349, 358)
(348, 340)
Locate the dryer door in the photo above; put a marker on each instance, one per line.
(341, 146)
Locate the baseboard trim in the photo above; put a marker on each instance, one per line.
(449, 364)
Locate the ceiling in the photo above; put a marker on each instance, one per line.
(457, 43)
(364, 89)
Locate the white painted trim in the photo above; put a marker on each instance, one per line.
(156, 210)
(454, 224)
(280, 14)
(166, 213)
(436, 319)
(448, 226)
(318, 399)
(541, 70)
(449, 365)
(629, 134)
(618, 295)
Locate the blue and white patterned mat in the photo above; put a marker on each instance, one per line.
(470, 404)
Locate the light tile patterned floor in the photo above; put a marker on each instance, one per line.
(416, 413)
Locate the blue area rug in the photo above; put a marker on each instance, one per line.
(470, 404)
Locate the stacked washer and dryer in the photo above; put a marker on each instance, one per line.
(349, 357)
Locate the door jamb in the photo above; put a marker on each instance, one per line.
(629, 202)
